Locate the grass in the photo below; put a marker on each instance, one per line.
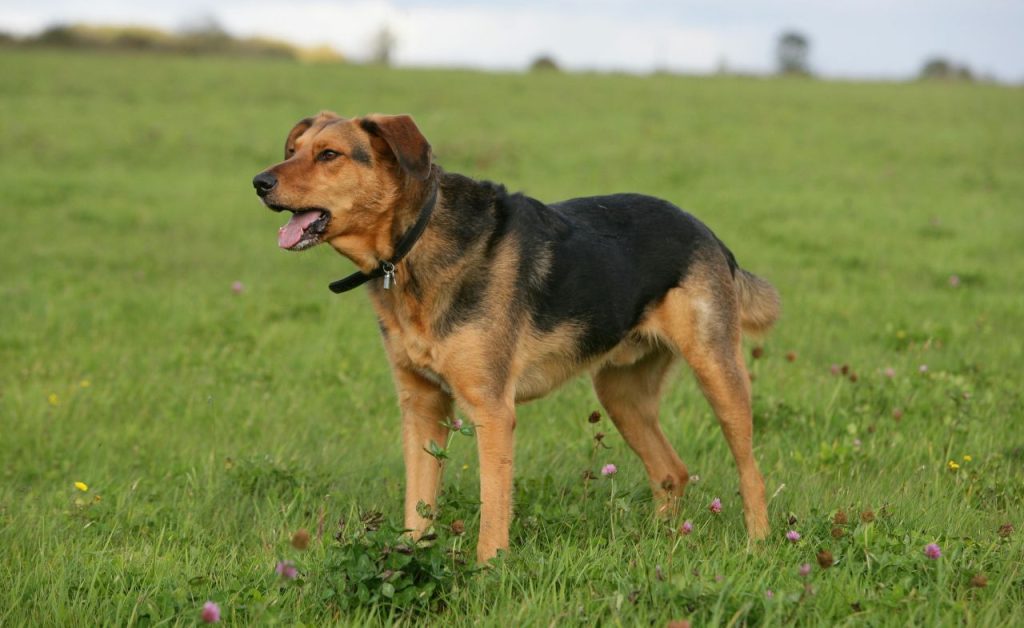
(211, 425)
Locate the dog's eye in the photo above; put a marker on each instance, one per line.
(328, 155)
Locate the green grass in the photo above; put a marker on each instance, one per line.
(211, 425)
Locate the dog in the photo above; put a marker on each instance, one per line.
(486, 299)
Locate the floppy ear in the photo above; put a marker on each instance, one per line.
(301, 127)
(404, 139)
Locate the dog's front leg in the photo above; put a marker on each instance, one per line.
(424, 410)
(495, 422)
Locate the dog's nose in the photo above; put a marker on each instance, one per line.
(264, 182)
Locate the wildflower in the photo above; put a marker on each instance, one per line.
(793, 536)
(979, 581)
(210, 613)
(300, 540)
(834, 369)
(237, 287)
(465, 466)
(458, 527)
(715, 506)
(897, 414)
(757, 352)
(856, 443)
(932, 551)
(594, 417)
(845, 369)
(954, 281)
(286, 569)
(456, 424)
(791, 356)
(686, 528)
(953, 466)
(82, 486)
(792, 519)
(805, 570)
(53, 399)
(867, 516)
(837, 533)
(85, 383)
(840, 518)
(694, 478)
(853, 378)
(825, 559)
(678, 623)
(967, 458)
(608, 469)
(889, 372)
(1006, 530)
(768, 593)
(923, 368)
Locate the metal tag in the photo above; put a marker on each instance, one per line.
(389, 274)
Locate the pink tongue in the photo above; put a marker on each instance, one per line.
(290, 234)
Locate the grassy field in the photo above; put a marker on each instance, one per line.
(210, 423)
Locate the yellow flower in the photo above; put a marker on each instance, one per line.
(465, 466)
(53, 399)
(82, 486)
(953, 466)
(967, 458)
(85, 383)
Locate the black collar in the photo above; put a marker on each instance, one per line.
(405, 244)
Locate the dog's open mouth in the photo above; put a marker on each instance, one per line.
(304, 228)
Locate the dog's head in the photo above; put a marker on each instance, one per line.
(343, 179)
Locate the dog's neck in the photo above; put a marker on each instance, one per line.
(392, 254)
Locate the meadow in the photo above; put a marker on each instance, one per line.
(179, 398)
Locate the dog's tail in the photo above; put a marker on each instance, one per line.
(759, 302)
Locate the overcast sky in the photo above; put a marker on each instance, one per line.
(849, 39)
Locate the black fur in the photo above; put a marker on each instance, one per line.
(610, 257)
(361, 155)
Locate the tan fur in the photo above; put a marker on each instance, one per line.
(759, 303)
(700, 320)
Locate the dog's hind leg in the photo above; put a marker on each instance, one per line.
(631, 396)
(701, 318)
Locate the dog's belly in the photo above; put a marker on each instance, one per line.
(549, 373)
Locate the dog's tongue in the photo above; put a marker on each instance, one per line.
(290, 234)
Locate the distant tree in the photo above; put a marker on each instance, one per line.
(791, 53)
(57, 35)
(940, 68)
(544, 63)
(7, 38)
(722, 67)
(203, 26)
(203, 34)
(383, 46)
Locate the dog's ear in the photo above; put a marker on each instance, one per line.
(404, 139)
(301, 127)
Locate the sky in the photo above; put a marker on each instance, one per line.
(865, 39)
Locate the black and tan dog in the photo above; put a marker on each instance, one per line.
(487, 299)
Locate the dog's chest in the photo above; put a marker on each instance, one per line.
(410, 337)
